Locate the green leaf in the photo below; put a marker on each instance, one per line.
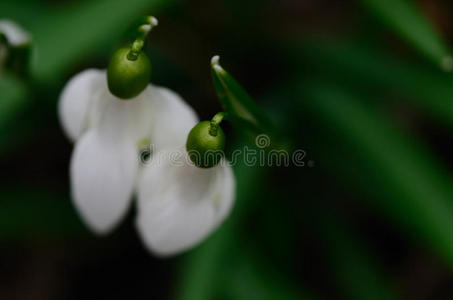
(356, 270)
(242, 110)
(18, 60)
(13, 98)
(429, 90)
(25, 12)
(80, 30)
(408, 21)
(32, 213)
(254, 278)
(402, 177)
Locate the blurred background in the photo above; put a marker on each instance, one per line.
(363, 87)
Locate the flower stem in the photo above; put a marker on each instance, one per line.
(215, 121)
(139, 42)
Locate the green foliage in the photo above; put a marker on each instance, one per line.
(360, 66)
(35, 212)
(58, 38)
(406, 19)
(399, 173)
(13, 98)
(358, 273)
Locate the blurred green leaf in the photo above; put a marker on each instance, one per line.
(253, 278)
(201, 277)
(357, 272)
(403, 178)
(33, 213)
(13, 99)
(24, 12)
(408, 21)
(18, 60)
(79, 30)
(431, 91)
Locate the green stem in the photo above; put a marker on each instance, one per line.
(136, 48)
(139, 42)
(216, 120)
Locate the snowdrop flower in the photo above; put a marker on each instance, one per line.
(178, 204)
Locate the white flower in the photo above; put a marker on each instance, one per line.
(15, 35)
(178, 203)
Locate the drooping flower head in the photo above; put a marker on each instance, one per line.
(178, 203)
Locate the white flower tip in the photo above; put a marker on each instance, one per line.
(15, 34)
(215, 60)
(153, 21)
(145, 28)
(216, 65)
(447, 63)
(218, 68)
(97, 228)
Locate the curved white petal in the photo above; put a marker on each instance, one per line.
(180, 204)
(14, 33)
(76, 99)
(172, 118)
(104, 168)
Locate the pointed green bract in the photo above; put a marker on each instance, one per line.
(241, 108)
(408, 21)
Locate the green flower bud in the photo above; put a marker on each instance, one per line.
(205, 144)
(128, 73)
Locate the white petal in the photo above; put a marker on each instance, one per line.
(76, 99)
(138, 112)
(172, 118)
(180, 204)
(14, 33)
(104, 167)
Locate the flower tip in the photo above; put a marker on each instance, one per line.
(215, 64)
(14, 33)
(153, 21)
(145, 28)
(447, 63)
(215, 60)
(218, 68)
